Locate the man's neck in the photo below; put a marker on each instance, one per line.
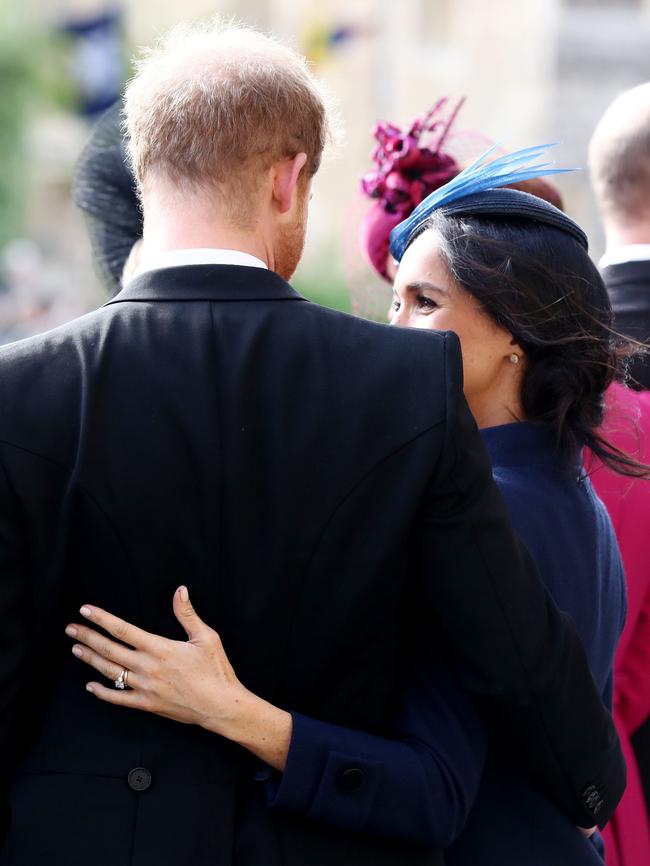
(177, 235)
(623, 236)
(187, 224)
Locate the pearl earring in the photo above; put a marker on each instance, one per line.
(514, 358)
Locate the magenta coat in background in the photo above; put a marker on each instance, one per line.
(627, 425)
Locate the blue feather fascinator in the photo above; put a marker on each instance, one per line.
(471, 185)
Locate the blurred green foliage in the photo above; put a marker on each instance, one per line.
(322, 280)
(33, 72)
(18, 85)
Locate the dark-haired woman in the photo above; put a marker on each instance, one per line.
(512, 277)
(533, 318)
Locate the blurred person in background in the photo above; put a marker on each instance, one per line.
(627, 426)
(619, 161)
(104, 188)
(619, 157)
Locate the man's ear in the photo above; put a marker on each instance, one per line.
(285, 180)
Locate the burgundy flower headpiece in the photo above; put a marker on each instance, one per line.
(410, 165)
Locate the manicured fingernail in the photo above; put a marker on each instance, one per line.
(185, 596)
(71, 631)
(89, 688)
(77, 651)
(85, 610)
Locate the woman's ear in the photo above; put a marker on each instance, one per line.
(286, 174)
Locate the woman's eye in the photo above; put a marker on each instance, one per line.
(426, 303)
(395, 305)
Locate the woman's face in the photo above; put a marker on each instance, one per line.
(425, 296)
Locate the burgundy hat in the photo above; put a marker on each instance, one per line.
(409, 166)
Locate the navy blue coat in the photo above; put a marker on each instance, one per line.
(425, 787)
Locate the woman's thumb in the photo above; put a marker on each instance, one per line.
(186, 615)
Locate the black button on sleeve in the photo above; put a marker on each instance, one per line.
(262, 774)
(352, 780)
(592, 799)
(139, 779)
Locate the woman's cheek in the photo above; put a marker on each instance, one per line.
(440, 320)
(417, 320)
(472, 375)
(480, 367)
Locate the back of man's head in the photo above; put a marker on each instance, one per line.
(619, 159)
(210, 108)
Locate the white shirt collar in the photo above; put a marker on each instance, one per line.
(626, 253)
(180, 258)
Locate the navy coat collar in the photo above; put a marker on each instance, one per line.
(208, 283)
(527, 444)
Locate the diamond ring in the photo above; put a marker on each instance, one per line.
(121, 681)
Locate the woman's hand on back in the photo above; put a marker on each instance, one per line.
(189, 681)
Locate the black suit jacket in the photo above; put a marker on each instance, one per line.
(319, 484)
(628, 285)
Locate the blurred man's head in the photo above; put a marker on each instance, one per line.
(619, 161)
(233, 122)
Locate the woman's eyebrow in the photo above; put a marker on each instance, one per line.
(424, 286)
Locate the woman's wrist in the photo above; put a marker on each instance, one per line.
(256, 725)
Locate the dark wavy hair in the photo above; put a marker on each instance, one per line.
(538, 282)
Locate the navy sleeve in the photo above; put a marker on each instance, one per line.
(418, 787)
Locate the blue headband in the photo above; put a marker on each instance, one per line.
(477, 190)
